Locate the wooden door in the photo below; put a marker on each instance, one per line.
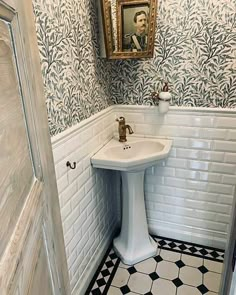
(32, 255)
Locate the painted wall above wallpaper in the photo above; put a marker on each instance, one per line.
(76, 80)
(195, 50)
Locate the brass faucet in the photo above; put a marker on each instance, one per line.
(122, 129)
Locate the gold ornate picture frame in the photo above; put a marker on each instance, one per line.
(131, 43)
(107, 26)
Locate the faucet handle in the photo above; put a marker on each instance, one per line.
(121, 119)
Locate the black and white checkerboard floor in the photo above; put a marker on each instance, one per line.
(179, 268)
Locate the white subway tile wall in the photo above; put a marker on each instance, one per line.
(188, 196)
(87, 197)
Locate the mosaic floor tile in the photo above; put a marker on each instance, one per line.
(169, 255)
(160, 286)
(212, 281)
(213, 266)
(192, 260)
(190, 276)
(179, 268)
(140, 283)
(188, 290)
(167, 270)
(147, 266)
(121, 277)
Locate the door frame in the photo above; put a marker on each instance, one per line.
(227, 275)
(21, 16)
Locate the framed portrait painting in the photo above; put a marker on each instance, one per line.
(136, 21)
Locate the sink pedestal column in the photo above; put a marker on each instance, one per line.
(134, 243)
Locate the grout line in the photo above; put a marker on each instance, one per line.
(156, 264)
(203, 273)
(179, 272)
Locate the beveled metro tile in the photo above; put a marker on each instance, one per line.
(212, 281)
(192, 260)
(170, 255)
(161, 286)
(188, 290)
(213, 266)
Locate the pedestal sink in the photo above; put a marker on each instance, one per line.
(132, 158)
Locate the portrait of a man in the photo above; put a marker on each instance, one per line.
(135, 28)
(139, 38)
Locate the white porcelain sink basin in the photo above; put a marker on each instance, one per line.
(132, 158)
(137, 153)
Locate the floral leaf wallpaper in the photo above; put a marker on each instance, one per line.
(76, 80)
(195, 51)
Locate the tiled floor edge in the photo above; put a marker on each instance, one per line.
(189, 243)
(99, 286)
(112, 276)
(197, 250)
(98, 270)
(192, 254)
(104, 249)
